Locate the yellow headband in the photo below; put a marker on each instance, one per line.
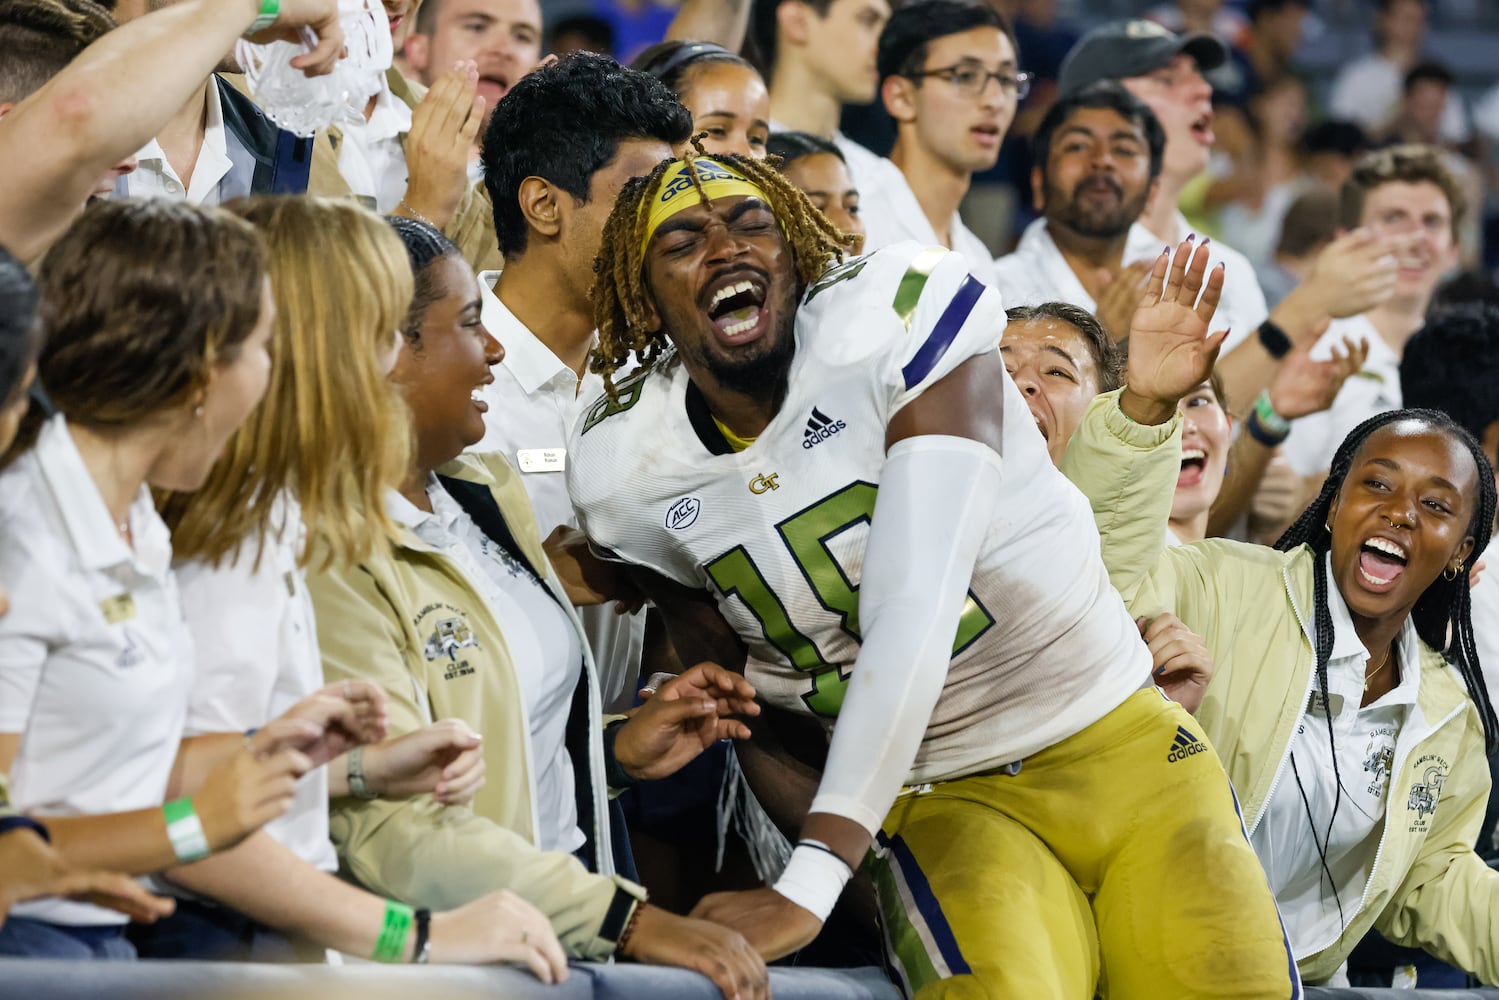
(677, 192)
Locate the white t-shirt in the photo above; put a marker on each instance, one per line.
(1368, 742)
(257, 656)
(534, 402)
(863, 164)
(544, 647)
(1373, 390)
(1367, 92)
(892, 215)
(154, 177)
(371, 159)
(95, 660)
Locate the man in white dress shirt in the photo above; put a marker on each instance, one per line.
(556, 153)
(1098, 160)
(950, 77)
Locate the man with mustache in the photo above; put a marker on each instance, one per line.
(1098, 161)
(950, 77)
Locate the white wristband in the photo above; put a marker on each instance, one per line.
(813, 880)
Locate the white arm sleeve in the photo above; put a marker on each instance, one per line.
(935, 505)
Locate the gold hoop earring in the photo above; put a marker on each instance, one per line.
(1451, 572)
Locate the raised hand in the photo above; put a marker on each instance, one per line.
(1170, 349)
(683, 718)
(1303, 386)
(1353, 274)
(321, 17)
(443, 128)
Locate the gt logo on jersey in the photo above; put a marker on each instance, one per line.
(763, 483)
(820, 427)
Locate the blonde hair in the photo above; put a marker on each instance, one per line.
(332, 429)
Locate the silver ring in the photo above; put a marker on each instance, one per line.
(347, 695)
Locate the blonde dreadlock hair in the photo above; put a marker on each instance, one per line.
(620, 297)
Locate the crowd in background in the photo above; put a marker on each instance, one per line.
(321, 635)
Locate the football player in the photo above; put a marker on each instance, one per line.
(826, 479)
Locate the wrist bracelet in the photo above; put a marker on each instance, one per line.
(185, 830)
(357, 787)
(421, 954)
(1257, 430)
(1274, 340)
(819, 845)
(1269, 419)
(269, 11)
(624, 935)
(9, 823)
(390, 946)
(415, 214)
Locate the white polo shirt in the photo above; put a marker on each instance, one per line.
(892, 214)
(95, 659)
(533, 404)
(1037, 272)
(154, 177)
(371, 158)
(257, 656)
(1372, 390)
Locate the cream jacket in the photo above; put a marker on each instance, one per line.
(1253, 607)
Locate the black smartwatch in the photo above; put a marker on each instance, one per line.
(1274, 340)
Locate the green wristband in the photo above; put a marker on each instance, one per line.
(185, 830)
(390, 946)
(269, 11)
(1269, 419)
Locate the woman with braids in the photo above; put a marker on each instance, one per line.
(727, 98)
(1347, 702)
(817, 166)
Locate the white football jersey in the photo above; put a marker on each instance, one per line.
(776, 532)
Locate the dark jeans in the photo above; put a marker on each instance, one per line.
(23, 938)
(206, 933)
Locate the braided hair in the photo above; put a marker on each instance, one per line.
(1442, 614)
(620, 296)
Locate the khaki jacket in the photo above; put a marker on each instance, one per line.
(410, 621)
(1253, 607)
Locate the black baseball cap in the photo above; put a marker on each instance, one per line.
(1122, 49)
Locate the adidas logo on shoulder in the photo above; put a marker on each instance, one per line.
(1184, 746)
(820, 427)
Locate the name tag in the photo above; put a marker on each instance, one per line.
(1316, 706)
(542, 459)
(119, 608)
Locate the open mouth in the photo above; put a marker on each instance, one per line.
(1380, 563)
(1099, 186)
(1202, 129)
(493, 86)
(736, 309)
(476, 396)
(1194, 468)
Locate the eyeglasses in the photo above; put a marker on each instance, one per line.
(971, 80)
